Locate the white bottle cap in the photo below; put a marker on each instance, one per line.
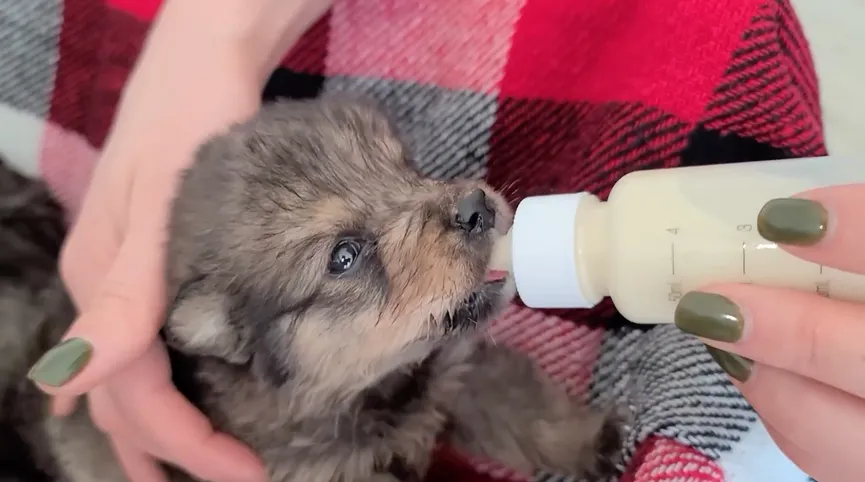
(543, 252)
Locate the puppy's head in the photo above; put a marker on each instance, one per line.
(303, 244)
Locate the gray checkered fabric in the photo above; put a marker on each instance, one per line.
(447, 131)
(669, 380)
(29, 35)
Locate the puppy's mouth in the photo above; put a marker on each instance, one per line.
(480, 305)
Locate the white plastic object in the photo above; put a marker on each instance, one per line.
(545, 266)
(664, 232)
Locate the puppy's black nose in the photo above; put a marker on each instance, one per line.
(474, 214)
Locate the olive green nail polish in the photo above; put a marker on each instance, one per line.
(736, 366)
(62, 362)
(709, 315)
(799, 222)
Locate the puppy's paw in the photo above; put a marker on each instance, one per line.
(586, 445)
(607, 448)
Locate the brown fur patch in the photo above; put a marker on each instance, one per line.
(325, 305)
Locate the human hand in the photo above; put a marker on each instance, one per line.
(798, 357)
(193, 79)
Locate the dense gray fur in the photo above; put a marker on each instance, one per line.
(349, 378)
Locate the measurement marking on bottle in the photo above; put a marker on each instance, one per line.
(821, 269)
(675, 293)
(744, 228)
(822, 289)
(673, 258)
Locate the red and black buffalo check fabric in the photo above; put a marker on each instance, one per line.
(537, 96)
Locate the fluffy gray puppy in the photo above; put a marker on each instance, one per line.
(326, 307)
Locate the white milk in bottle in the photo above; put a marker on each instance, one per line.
(664, 232)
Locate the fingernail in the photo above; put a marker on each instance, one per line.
(62, 362)
(709, 315)
(799, 222)
(736, 366)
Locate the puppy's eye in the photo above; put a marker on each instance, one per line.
(344, 255)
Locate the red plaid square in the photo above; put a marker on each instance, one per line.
(541, 146)
(457, 44)
(665, 53)
(771, 76)
(140, 9)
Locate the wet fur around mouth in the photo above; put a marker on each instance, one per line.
(330, 374)
(479, 306)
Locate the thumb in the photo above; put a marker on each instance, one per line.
(118, 326)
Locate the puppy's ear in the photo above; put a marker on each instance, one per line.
(392, 140)
(378, 131)
(200, 323)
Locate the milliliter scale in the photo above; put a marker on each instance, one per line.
(662, 233)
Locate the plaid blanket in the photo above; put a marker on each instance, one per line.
(538, 96)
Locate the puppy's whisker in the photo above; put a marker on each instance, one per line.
(509, 189)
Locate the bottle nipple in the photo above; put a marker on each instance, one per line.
(501, 256)
(540, 252)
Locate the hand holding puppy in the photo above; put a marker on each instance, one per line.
(193, 79)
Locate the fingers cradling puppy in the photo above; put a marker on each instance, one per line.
(327, 306)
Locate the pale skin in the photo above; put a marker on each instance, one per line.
(807, 381)
(203, 68)
(196, 77)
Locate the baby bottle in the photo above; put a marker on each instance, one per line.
(662, 233)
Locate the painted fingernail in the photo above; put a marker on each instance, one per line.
(799, 222)
(709, 315)
(62, 362)
(735, 365)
